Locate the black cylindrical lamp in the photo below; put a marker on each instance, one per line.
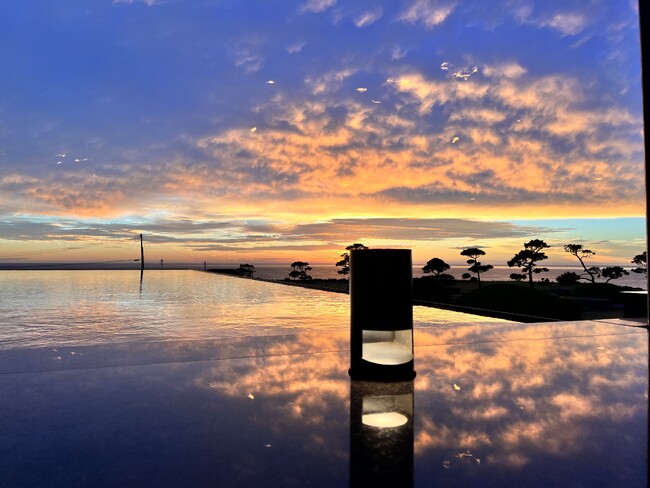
(381, 315)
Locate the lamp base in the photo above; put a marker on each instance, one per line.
(377, 372)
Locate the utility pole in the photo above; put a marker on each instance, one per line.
(141, 255)
(141, 263)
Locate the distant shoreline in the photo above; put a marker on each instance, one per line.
(332, 285)
(323, 272)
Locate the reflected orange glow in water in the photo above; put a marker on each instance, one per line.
(521, 395)
(107, 307)
(504, 393)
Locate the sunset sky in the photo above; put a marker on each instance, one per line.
(273, 131)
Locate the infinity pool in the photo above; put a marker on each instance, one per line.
(54, 308)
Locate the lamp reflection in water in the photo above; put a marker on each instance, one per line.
(381, 433)
(381, 315)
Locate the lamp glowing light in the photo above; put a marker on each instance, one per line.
(385, 420)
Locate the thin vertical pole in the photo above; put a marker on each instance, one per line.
(141, 255)
(141, 263)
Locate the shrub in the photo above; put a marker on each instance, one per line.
(522, 300)
(597, 290)
(568, 278)
(431, 289)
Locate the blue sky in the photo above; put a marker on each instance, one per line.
(268, 131)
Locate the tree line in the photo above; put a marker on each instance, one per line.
(527, 260)
(300, 270)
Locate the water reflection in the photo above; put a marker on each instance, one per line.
(381, 433)
(517, 404)
(55, 308)
(491, 401)
(501, 405)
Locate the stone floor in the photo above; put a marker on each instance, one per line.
(534, 405)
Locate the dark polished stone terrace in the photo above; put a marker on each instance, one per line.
(535, 405)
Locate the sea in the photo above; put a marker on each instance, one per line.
(319, 271)
(50, 308)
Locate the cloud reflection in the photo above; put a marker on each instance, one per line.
(525, 392)
(527, 395)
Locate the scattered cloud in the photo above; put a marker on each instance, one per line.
(331, 151)
(505, 70)
(398, 53)
(522, 12)
(237, 235)
(568, 24)
(398, 229)
(430, 13)
(328, 82)
(296, 47)
(430, 93)
(552, 127)
(367, 18)
(317, 6)
(247, 60)
(148, 3)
